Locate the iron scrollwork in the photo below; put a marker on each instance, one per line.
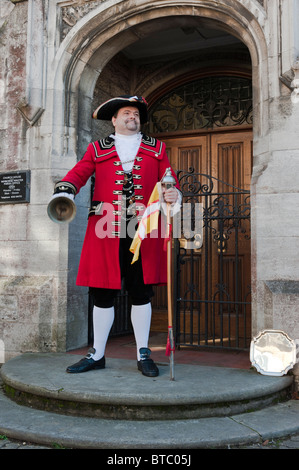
(206, 103)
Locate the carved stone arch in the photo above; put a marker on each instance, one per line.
(107, 29)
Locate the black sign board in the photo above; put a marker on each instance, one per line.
(15, 187)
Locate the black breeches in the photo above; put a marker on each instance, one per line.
(132, 274)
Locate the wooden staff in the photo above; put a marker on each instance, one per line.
(168, 181)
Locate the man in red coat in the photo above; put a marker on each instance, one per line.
(127, 165)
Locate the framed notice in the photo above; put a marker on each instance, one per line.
(15, 187)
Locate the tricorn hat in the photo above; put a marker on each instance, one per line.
(108, 109)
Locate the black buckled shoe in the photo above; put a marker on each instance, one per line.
(147, 365)
(86, 364)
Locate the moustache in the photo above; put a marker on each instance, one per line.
(127, 121)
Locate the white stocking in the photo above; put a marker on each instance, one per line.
(141, 321)
(102, 322)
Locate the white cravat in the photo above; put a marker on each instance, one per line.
(127, 147)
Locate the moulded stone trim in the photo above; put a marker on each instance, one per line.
(108, 28)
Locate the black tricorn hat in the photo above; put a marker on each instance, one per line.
(108, 109)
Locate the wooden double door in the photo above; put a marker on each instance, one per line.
(212, 283)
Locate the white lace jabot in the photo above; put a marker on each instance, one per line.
(127, 147)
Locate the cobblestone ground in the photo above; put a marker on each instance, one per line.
(291, 442)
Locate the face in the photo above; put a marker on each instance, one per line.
(127, 121)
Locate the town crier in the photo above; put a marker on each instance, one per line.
(127, 166)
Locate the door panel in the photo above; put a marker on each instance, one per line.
(214, 282)
(230, 250)
(189, 152)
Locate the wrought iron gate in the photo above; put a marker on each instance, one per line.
(212, 280)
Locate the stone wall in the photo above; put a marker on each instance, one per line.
(38, 306)
(13, 43)
(275, 185)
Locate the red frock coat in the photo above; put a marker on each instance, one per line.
(99, 263)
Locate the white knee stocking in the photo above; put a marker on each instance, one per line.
(102, 322)
(141, 321)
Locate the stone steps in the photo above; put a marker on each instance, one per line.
(204, 407)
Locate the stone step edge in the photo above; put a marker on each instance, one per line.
(46, 428)
(139, 411)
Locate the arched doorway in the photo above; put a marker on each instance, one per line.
(207, 126)
(107, 31)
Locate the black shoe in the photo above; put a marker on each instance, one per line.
(86, 364)
(147, 365)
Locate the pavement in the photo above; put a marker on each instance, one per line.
(217, 401)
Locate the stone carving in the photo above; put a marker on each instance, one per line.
(31, 114)
(71, 14)
(295, 84)
(291, 80)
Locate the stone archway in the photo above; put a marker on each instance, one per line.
(107, 29)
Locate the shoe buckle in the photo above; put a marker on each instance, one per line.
(144, 353)
(90, 353)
